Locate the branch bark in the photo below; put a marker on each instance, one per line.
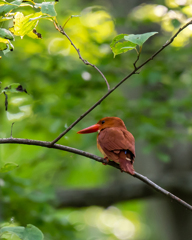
(122, 81)
(98, 159)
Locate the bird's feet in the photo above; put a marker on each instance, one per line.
(107, 160)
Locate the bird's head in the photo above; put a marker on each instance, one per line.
(106, 122)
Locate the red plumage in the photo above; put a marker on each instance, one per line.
(115, 142)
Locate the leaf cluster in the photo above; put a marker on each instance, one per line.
(22, 24)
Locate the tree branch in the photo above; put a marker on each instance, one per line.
(61, 30)
(138, 55)
(122, 81)
(98, 159)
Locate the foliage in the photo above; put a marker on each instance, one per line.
(23, 25)
(132, 41)
(28, 233)
(156, 107)
(121, 47)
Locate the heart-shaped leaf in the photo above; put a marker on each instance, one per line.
(47, 8)
(118, 46)
(139, 39)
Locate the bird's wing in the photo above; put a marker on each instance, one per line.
(115, 139)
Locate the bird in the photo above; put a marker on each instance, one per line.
(115, 142)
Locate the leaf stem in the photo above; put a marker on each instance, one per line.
(67, 22)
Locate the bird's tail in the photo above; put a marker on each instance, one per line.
(127, 165)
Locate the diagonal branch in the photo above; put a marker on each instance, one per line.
(61, 30)
(138, 55)
(122, 81)
(98, 159)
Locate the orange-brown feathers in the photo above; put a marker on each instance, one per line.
(115, 142)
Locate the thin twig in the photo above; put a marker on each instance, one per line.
(122, 81)
(138, 55)
(162, 190)
(67, 22)
(98, 159)
(69, 19)
(134, 64)
(61, 30)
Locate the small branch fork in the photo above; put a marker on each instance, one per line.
(96, 158)
(138, 55)
(61, 30)
(122, 81)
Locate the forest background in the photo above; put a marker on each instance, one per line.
(68, 196)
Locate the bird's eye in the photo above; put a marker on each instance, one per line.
(103, 122)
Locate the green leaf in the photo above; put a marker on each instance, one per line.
(30, 1)
(7, 7)
(2, 2)
(44, 16)
(4, 33)
(3, 19)
(26, 5)
(139, 39)
(29, 233)
(121, 47)
(9, 48)
(3, 46)
(23, 25)
(117, 39)
(47, 8)
(3, 40)
(8, 167)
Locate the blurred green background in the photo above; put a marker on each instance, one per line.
(154, 104)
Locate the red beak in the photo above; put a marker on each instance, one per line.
(91, 129)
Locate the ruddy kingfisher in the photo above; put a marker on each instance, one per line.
(114, 142)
